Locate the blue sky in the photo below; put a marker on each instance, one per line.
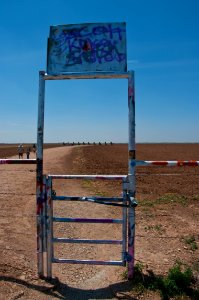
(162, 49)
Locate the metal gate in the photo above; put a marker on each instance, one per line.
(122, 202)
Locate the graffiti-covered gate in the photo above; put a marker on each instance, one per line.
(86, 51)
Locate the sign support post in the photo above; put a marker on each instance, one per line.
(39, 173)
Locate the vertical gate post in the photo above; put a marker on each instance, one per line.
(131, 175)
(124, 224)
(39, 174)
(44, 215)
(49, 228)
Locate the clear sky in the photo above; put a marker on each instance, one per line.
(162, 49)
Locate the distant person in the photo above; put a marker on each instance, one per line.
(34, 148)
(20, 151)
(28, 153)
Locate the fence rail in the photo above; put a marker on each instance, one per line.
(167, 163)
(17, 161)
(89, 177)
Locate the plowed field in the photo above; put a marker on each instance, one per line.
(167, 218)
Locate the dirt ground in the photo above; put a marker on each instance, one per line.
(166, 218)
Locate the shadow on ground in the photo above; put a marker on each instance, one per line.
(60, 290)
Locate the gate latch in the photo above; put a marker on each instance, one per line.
(132, 202)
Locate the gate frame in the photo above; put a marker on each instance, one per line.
(51, 197)
(41, 194)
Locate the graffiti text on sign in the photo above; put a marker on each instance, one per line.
(97, 45)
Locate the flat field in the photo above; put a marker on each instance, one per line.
(167, 218)
(151, 182)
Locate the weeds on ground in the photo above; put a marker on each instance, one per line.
(195, 266)
(157, 228)
(171, 198)
(165, 199)
(100, 194)
(195, 197)
(89, 184)
(178, 282)
(147, 203)
(191, 241)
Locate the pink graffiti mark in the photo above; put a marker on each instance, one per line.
(131, 263)
(131, 91)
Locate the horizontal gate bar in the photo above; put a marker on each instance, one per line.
(89, 177)
(85, 241)
(168, 163)
(74, 198)
(81, 220)
(18, 161)
(88, 262)
(89, 75)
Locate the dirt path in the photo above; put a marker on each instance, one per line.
(18, 238)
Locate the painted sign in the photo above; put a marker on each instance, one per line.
(92, 47)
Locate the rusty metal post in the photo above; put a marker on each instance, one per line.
(39, 175)
(131, 175)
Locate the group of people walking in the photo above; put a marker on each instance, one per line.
(27, 151)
